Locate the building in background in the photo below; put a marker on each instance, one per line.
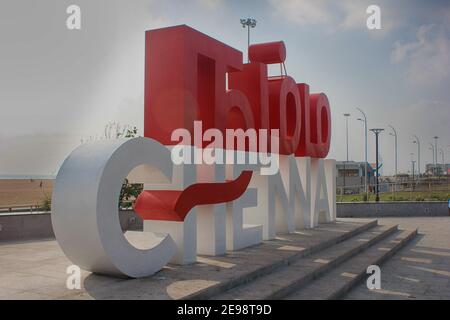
(350, 174)
(439, 169)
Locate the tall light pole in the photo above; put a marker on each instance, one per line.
(432, 153)
(377, 132)
(346, 115)
(365, 151)
(447, 170)
(435, 153)
(412, 165)
(417, 141)
(394, 134)
(248, 23)
(441, 151)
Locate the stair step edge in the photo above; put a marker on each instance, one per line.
(220, 288)
(335, 263)
(310, 275)
(349, 283)
(387, 255)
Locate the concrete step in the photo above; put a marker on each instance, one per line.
(270, 256)
(337, 282)
(288, 278)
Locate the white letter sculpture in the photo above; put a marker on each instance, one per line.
(85, 214)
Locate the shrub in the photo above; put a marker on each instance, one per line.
(46, 204)
(129, 193)
(435, 196)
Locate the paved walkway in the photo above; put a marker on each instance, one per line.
(421, 270)
(37, 270)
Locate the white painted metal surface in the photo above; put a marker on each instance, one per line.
(85, 207)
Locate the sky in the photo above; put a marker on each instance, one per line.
(61, 86)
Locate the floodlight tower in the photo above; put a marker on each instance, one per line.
(248, 23)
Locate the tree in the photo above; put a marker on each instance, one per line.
(114, 130)
(128, 193)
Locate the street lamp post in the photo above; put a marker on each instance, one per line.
(417, 141)
(377, 132)
(365, 151)
(394, 134)
(435, 154)
(443, 159)
(432, 153)
(248, 23)
(346, 115)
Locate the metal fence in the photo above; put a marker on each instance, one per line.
(423, 189)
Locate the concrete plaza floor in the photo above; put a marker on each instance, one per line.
(37, 269)
(421, 270)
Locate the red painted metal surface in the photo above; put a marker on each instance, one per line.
(185, 81)
(268, 53)
(174, 205)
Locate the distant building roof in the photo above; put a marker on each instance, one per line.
(352, 165)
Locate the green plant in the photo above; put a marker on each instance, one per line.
(131, 133)
(435, 196)
(129, 193)
(46, 204)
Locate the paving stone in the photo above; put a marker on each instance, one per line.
(429, 266)
(299, 273)
(337, 281)
(36, 269)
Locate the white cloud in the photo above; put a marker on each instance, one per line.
(402, 50)
(426, 118)
(354, 14)
(303, 12)
(211, 4)
(333, 15)
(427, 57)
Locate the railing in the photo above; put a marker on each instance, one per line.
(423, 189)
(31, 208)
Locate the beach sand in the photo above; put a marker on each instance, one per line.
(24, 192)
